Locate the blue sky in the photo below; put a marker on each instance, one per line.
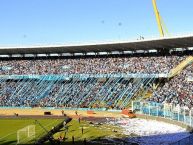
(32, 22)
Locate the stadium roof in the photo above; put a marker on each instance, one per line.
(145, 44)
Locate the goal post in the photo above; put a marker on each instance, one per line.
(26, 134)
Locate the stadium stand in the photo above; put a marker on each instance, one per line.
(91, 91)
(106, 65)
(99, 81)
(177, 91)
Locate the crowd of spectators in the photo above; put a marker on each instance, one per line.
(92, 92)
(108, 65)
(89, 93)
(177, 91)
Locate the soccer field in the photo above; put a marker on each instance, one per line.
(91, 132)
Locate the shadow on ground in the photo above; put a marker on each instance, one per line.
(166, 139)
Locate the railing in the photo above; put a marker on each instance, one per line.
(180, 114)
(83, 76)
(65, 108)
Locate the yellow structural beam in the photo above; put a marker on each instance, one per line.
(158, 18)
(181, 66)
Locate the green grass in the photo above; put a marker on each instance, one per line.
(9, 127)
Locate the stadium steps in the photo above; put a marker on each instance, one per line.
(142, 95)
(181, 66)
(145, 91)
(148, 94)
(136, 96)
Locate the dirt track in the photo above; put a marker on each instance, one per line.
(55, 113)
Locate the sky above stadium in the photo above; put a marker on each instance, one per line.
(33, 22)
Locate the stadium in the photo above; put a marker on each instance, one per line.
(135, 92)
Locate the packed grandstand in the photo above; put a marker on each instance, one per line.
(97, 81)
(136, 92)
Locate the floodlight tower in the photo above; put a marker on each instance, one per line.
(162, 28)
